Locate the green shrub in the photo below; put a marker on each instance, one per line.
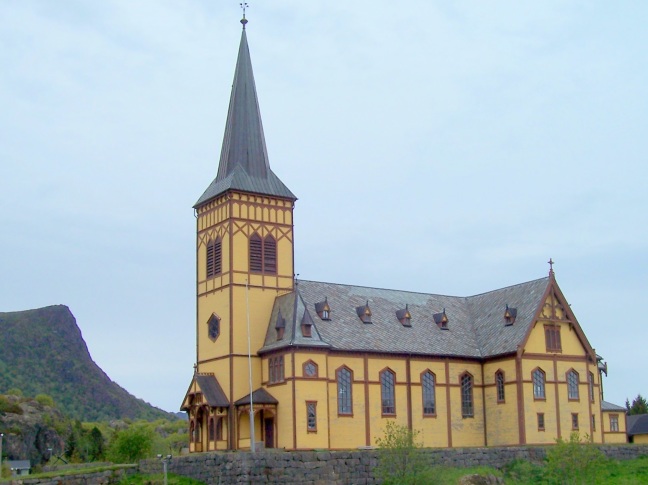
(131, 444)
(45, 400)
(8, 407)
(576, 462)
(400, 459)
(522, 471)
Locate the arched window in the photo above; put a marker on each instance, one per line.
(345, 402)
(211, 429)
(499, 383)
(538, 377)
(429, 401)
(590, 381)
(214, 257)
(467, 404)
(387, 391)
(219, 429)
(572, 385)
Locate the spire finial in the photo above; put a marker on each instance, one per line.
(551, 263)
(244, 21)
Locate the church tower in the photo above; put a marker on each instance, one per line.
(244, 260)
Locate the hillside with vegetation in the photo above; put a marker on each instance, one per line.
(43, 352)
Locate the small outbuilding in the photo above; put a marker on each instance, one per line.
(638, 428)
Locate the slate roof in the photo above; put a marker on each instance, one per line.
(260, 396)
(637, 424)
(476, 325)
(244, 163)
(608, 406)
(212, 390)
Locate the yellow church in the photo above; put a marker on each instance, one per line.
(326, 365)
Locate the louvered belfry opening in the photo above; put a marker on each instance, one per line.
(269, 255)
(256, 253)
(214, 257)
(263, 254)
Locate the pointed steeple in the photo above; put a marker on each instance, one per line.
(244, 161)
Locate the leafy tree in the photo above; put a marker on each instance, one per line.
(95, 444)
(131, 444)
(400, 460)
(639, 406)
(576, 462)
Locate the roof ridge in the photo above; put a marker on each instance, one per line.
(422, 292)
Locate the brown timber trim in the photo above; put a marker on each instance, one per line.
(294, 399)
(484, 406)
(520, 397)
(366, 395)
(409, 394)
(448, 405)
(232, 414)
(328, 404)
(561, 357)
(557, 398)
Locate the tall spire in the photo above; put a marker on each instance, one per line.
(244, 161)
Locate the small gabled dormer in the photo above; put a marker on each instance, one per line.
(323, 310)
(280, 326)
(404, 317)
(307, 325)
(509, 315)
(364, 312)
(441, 319)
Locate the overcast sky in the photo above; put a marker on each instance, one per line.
(441, 147)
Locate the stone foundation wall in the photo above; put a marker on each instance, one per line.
(342, 467)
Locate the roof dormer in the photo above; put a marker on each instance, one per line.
(364, 312)
(280, 326)
(404, 317)
(441, 319)
(307, 325)
(323, 310)
(509, 315)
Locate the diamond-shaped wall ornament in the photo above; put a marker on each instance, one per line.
(213, 327)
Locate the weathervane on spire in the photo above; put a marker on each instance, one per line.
(244, 21)
(551, 263)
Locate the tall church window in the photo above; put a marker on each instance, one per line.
(467, 403)
(219, 429)
(311, 415)
(388, 392)
(211, 429)
(538, 377)
(572, 385)
(214, 257)
(276, 369)
(345, 402)
(590, 381)
(499, 384)
(552, 338)
(429, 401)
(263, 254)
(614, 422)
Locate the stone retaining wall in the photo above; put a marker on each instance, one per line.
(342, 467)
(106, 477)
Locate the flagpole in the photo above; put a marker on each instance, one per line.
(247, 305)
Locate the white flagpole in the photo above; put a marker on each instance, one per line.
(247, 305)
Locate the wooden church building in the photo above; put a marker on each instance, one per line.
(326, 365)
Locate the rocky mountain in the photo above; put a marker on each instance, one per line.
(42, 351)
(32, 430)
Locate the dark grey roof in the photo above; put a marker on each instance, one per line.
(608, 406)
(212, 390)
(260, 396)
(637, 424)
(244, 163)
(476, 325)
